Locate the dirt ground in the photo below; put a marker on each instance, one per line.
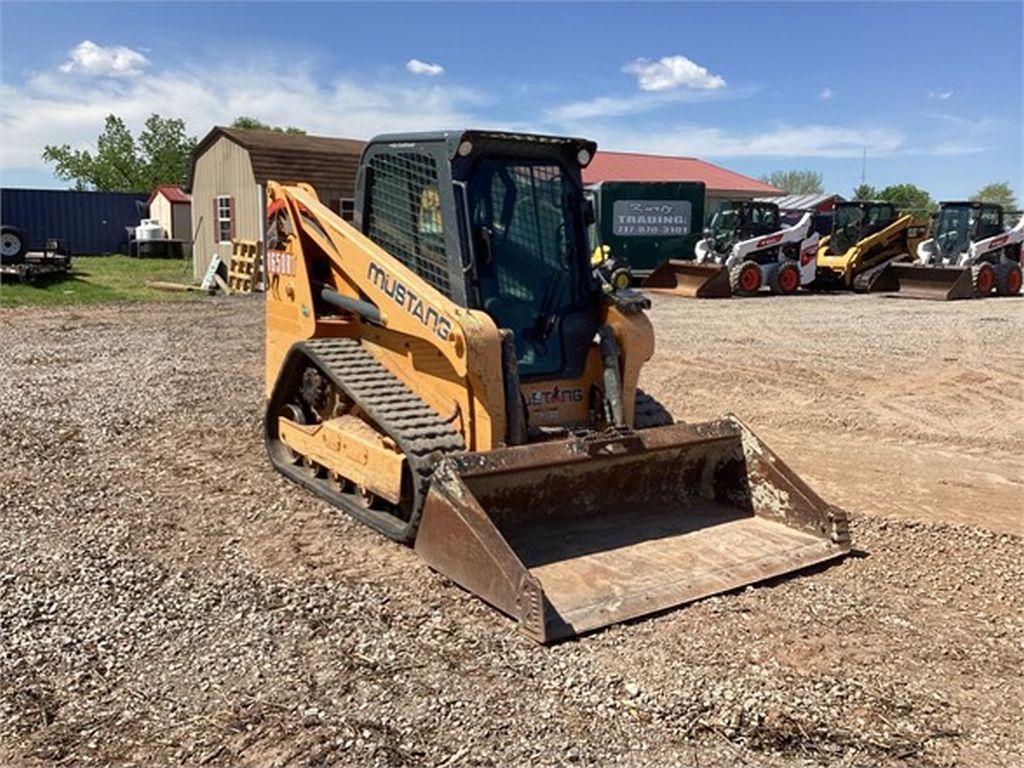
(887, 406)
(166, 598)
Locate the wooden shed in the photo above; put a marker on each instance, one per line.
(229, 171)
(173, 209)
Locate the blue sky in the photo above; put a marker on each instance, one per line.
(933, 91)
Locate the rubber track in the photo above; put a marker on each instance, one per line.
(417, 429)
(863, 281)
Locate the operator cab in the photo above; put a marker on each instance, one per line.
(738, 220)
(855, 220)
(958, 224)
(495, 222)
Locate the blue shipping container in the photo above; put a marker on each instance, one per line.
(88, 222)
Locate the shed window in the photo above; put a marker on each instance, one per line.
(224, 207)
(347, 208)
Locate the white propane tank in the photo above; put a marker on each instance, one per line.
(149, 229)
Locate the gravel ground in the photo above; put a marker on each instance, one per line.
(166, 598)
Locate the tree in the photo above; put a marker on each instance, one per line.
(796, 182)
(865, 192)
(909, 198)
(254, 124)
(1000, 193)
(165, 150)
(123, 164)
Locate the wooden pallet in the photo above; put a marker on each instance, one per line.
(243, 272)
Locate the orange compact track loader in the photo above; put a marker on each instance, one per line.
(451, 371)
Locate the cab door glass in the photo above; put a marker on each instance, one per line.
(764, 219)
(989, 223)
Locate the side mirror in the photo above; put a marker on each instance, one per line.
(589, 217)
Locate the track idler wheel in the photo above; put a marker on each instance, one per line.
(292, 412)
(786, 279)
(745, 278)
(1008, 282)
(983, 278)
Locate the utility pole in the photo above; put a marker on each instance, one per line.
(864, 167)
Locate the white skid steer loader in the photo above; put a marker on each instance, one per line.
(971, 254)
(745, 248)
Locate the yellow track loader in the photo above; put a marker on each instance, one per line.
(867, 236)
(450, 371)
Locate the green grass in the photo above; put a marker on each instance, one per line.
(101, 279)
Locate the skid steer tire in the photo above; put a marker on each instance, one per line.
(745, 279)
(983, 279)
(649, 412)
(1008, 281)
(786, 279)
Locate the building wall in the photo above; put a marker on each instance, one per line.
(160, 209)
(223, 169)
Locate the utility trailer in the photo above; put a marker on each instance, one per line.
(16, 260)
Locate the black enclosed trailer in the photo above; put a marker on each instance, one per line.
(648, 222)
(86, 223)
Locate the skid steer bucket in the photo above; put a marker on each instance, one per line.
(915, 281)
(690, 280)
(574, 535)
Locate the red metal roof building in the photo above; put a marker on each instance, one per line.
(171, 192)
(173, 209)
(720, 183)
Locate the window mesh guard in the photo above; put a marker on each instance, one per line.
(405, 214)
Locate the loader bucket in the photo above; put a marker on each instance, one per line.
(915, 281)
(690, 280)
(572, 535)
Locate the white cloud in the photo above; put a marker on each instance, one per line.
(88, 58)
(418, 67)
(826, 93)
(786, 141)
(637, 103)
(955, 147)
(671, 72)
(50, 109)
(940, 95)
(782, 141)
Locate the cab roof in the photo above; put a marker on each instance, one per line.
(455, 138)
